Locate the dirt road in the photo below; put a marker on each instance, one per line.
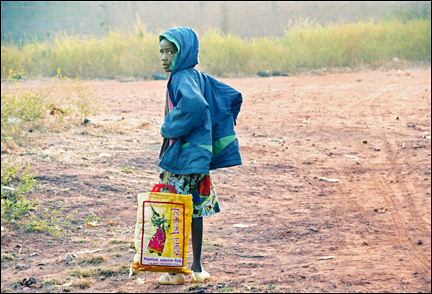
(298, 135)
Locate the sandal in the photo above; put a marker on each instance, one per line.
(168, 279)
(28, 282)
(199, 277)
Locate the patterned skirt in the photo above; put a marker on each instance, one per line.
(205, 202)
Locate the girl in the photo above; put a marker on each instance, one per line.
(198, 132)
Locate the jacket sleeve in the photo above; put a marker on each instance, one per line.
(235, 106)
(165, 143)
(189, 112)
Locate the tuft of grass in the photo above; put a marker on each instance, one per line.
(209, 243)
(121, 247)
(17, 177)
(12, 210)
(55, 281)
(91, 218)
(112, 271)
(121, 290)
(261, 135)
(100, 271)
(194, 287)
(115, 127)
(51, 222)
(117, 241)
(80, 240)
(127, 169)
(108, 272)
(93, 259)
(20, 181)
(83, 283)
(221, 290)
(7, 257)
(82, 273)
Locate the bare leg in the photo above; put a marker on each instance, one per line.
(197, 236)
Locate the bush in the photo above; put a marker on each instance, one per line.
(339, 45)
(13, 203)
(22, 110)
(20, 183)
(305, 45)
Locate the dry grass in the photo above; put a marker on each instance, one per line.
(55, 281)
(83, 283)
(117, 241)
(115, 127)
(57, 107)
(80, 240)
(99, 271)
(92, 259)
(306, 45)
(7, 257)
(80, 272)
(121, 290)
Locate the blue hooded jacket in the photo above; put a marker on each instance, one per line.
(204, 114)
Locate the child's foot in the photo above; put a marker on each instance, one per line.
(199, 277)
(171, 279)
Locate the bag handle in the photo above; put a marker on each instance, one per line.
(158, 187)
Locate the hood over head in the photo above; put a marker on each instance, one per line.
(187, 44)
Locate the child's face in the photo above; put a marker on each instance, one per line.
(167, 51)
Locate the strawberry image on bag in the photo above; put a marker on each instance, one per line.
(162, 230)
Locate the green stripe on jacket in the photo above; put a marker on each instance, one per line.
(218, 145)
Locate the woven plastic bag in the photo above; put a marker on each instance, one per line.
(162, 230)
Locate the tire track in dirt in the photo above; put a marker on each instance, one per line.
(400, 223)
(344, 111)
(386, 190)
